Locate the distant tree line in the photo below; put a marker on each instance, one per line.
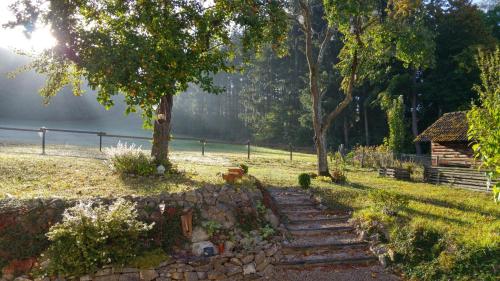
(269, 102)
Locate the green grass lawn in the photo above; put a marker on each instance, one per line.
(471, 216)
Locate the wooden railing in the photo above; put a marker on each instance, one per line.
(203, 142)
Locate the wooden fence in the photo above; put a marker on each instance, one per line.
(203, 142)
(469, 178)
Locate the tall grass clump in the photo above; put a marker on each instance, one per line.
(130, 160)
(90, 237)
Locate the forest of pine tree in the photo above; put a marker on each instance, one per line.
(269, 102)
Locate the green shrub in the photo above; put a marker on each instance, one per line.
(248, 219)
(167, 233)
(267, 231)
(338, 176)
(373, 222)
(90, 237)
(244, 168)
(424, 253)
(387, 202)
(212, 227)
(130, 160)
(417, 243)
(304, 180)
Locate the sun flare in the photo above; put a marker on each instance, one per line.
(15, 39)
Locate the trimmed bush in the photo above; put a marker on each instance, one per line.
(305, 180)
(130, 160)
(244, 168)
(90, 237)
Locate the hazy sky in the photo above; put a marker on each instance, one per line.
(40, 39)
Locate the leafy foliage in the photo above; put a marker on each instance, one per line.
(417, 243)
(167, 233)
(90, 237)
(425, 253)
(305, 180)
(389, 203)
(249, 218)
(394, 108)
(372, 156)
(339, 174)
(146, 49)
(484, 119)
(244, 168)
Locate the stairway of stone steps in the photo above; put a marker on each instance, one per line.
(317, 237)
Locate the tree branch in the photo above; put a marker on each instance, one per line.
(324, 44)
(348, 95)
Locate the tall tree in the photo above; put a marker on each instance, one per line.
(359, 24)
(148, 50)
(415, 48)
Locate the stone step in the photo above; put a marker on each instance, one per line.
(331, 238)
(319, 247)
(289, 194)
(307, 214)
(320, 231)
(353, 256)
(302, 201)
(298, 209)
(289, 206)
(319, 220)
(321, 225)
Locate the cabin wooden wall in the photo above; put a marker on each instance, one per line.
(452, 154)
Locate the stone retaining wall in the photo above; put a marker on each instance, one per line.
(250, 265)
(24, 223)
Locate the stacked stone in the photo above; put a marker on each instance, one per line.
(246, 265)
(257, 264)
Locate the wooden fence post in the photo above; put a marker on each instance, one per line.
(248, 149)
(100, 140)
(291, 151)
(43, 130)
(203, 142)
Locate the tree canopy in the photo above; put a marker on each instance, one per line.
(146, 49)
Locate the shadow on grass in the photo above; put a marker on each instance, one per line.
(452, 205)
(176, 182)
(436, 202)
(413, 213)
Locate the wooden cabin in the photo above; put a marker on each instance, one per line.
(450, 146)
(453, 160)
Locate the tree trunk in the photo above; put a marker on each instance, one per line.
(162, 125)
(322, 154)
(414, 121)
(313, 64)
(319, 131)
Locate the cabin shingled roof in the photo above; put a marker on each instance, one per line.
(451, 126)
